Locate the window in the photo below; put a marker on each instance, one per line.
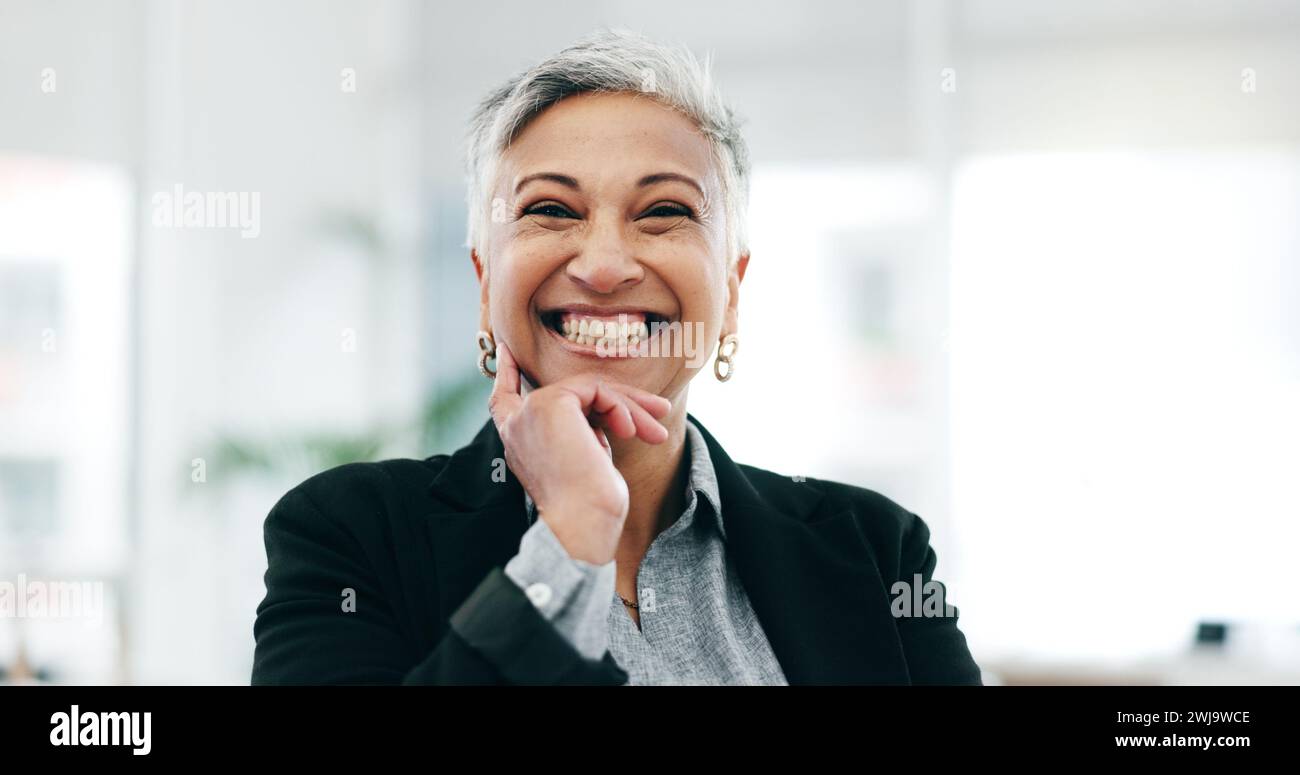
(64, 291)
(1125, 375)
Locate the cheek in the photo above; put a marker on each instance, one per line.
(519, 273)
(698, 280)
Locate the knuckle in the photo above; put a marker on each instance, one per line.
(542, 400)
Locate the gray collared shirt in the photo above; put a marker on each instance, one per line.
(697, 625)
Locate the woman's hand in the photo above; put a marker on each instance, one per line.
(555, 443)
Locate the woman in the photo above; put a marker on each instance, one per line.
(594, 532)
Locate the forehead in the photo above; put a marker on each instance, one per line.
(603, 139)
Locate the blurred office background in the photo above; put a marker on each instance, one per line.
(1052, 251)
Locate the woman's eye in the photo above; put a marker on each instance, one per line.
(667, 211)
(550, 210)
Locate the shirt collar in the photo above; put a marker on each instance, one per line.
(702, 478)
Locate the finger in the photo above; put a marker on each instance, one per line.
(600, 396)
(642, 423)
(648, 428)
(656, 405)
(504, 400)
(604, 441)
(507, 370)
(582, 384)
(612, 406)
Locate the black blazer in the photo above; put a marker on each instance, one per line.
(392, 572)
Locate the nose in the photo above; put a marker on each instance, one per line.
(606, 260)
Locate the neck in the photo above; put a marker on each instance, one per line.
(656, 480)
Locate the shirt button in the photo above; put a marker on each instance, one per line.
(539, 593)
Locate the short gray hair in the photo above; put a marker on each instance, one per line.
(610, 61)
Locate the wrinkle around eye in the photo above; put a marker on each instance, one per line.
(669, 225)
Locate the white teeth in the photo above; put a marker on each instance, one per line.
(604, 333)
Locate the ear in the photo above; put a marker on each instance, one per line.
(735, 275)
(480, 270)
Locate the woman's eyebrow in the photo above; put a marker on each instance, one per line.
(648, 180)
(555, 177)
(663, 177)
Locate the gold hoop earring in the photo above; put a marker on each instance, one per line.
(726, 356)
(487, 347)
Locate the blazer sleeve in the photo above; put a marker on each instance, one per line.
(306, 633)
(935, 648)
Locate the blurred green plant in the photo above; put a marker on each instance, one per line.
(449, 412)
(451, 409)
(442, 422)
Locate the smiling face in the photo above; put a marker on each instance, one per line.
(607, 249)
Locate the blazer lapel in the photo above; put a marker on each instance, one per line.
(811, 580)
(480, 520)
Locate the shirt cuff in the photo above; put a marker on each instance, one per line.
(572, 594)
